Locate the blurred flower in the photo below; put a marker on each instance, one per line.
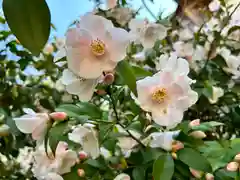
(108, 78)
(58, 116)
(163, 140)
(214, 5)
(232, 166)
(217, 93)
(237, 157)
(48, 49)
(198, 134)
(82, 155)
(46, 166)
(209, 176)
(122, 15)
(81, 172)
(25, 158)
(196, 173)
(4, 130)
(147, 32)
(122, 177)
(83, 88)
(94, 46)
(52, 176)
(167, 94)
(31, 122)
(105, 153)
(140, 56)
(195, 122)
(183, 49)
(86, 136)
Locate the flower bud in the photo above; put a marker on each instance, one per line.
(108, 78)
(101, 92)
(58, 116)
(4, 130)
(81, 172)
(209, 176)
(195, 122)
(198, 134)
(174, 155)
(196, 173)
(122, 176)
(82, 155)
(232, 166)
(237, 157)
(177, 145)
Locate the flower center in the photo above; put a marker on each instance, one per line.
(98, 47)
(159, 95)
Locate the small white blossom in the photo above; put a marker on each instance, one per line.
(122, 176)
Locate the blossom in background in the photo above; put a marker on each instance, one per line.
(94, 46)
(83, 88)
(86, 136)
(25, 158)
(33, 123)
(122, 15)
(49, 166)
(217, 92)
(214, 5)
(111, 3)
(122, 176)
(163, 140)
(183, 49)
(147, 32)
(167, 94)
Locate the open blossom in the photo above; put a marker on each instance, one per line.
(164, 140)
(94, 46)
(147, 32)
(33, 123)
(86, 136)
(122, 176)
(83, 88)
(49, 166)
(167, 94)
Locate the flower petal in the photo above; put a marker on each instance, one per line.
(53, 176)
(77, 134)
(90, 145)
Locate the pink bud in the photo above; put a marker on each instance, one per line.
(198, 134)
(195, 122)
(58, 116)
(237, 158)
(101, 92)
(177, 145)
(81, 172)
(82, 155)
(209, 176)
(108, 78)
(196, 173)
(232, 166)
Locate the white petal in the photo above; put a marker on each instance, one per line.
(69, 160)
(60, 54)
(68, 77)
(53, 176)
(40, 131)
(29, 111)
(78, 133)
(90, 145)
(122, 176)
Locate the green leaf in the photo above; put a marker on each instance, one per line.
(163, 168)
(140, 72)
(138, 173)
(207, 126)
(194, 159)
(127, 75)
(29, 21)
(70, 109)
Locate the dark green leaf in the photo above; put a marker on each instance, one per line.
(29, 21)
(138, 173)
(140, 72)
(127, 75)
(194, 160)
(163, 168)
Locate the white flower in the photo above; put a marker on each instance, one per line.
(83, 88)
(185, 34)
(147, 32)
(214, 5)
(94, 46)
(49, 166)
(167, 94)
(33, 123)
(217, 93)
(122, 176)
(86, 136)
(163, 140)
(48, 49)
(140, 56)
(105, 153)
(183, 49)
(122, 15)
(53, 176)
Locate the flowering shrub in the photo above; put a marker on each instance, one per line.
(150, 100)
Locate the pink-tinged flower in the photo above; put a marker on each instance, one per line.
(49, 165)
(86, 136)
(195, 122)
(232, 166)
(82, 155)
(237, 157)
(58, 116)
(33, 123)
(167, 94)
(214, 5)
(209, 176)
(122, 176)
(147, 32)
(94, 46)
(198, 134)
(196, 173)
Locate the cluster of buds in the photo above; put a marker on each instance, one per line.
(196, 134)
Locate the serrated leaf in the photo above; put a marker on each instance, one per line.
(29, 21)
(163, 167)
(127, 75)
(194, 159)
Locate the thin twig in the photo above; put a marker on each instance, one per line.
(147, 8)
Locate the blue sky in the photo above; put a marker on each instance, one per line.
(64, 12)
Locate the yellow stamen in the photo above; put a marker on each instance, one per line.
(98, 47)
(159, 95)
